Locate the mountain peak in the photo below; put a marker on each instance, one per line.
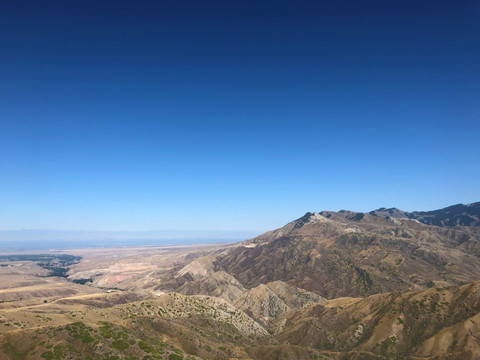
(311, 217)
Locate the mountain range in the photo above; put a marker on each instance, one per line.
(385, 284)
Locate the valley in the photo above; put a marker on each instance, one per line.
(330, 285)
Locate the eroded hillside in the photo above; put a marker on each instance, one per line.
(329, 285)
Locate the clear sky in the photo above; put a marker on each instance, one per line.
(234, 115)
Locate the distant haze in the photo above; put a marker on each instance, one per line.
(28, 240)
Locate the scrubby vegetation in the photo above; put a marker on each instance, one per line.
(254, 303)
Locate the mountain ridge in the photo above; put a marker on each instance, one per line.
(349, 253)
(453, 215)
(328, 285)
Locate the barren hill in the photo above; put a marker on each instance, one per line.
(351, 254)
(329, 285)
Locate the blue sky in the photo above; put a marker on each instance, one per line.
(234, 115)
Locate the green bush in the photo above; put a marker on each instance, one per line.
(175, 357)
(120, 344)
(48, 355)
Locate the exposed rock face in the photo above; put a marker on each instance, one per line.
(219, 284)
(261, 302)
(274, 299)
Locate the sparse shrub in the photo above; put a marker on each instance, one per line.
(144, 346)
(387, 343)
(48, 355)
(175, 357)
(120, 345)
